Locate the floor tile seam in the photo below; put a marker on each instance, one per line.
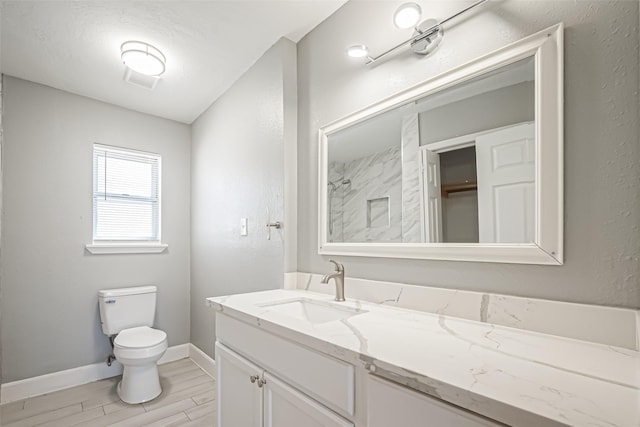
(45, 411)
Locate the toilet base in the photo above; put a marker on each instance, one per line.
(139, 384)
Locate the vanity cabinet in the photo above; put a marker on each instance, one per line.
(239, 399)
(250, 396)
(389, 404)
(265, 380)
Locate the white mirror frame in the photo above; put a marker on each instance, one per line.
(547, 47)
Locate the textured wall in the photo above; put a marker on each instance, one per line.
(50, 318)
(602, 153)
(238, 151)
(1, 180)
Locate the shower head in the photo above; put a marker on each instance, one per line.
(337, 183)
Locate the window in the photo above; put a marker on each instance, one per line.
(126, 196)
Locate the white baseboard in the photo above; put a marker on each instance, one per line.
(42, 384)
(55, 381)
(174, 353)
(203, 360)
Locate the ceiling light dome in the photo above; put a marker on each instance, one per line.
(143, 58)
(407, 15)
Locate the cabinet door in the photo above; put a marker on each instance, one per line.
(389, 404)
(286, 407)
(239, 400)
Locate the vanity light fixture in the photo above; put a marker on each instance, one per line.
(143, 58)
(358, 51)
(407, 15)
(426, 37)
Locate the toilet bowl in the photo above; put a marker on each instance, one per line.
(127, 316)
(138, 350)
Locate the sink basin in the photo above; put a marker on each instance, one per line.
(312, 311)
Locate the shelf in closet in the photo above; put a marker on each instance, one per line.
(458, 187)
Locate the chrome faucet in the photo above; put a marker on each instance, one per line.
(338, 277)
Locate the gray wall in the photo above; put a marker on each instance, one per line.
(602, 153)
(50, 319)
(238, 151)
(502, 107)
(1, 180)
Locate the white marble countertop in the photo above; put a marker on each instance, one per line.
(517, 377)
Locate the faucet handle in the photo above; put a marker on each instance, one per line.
(339, 267)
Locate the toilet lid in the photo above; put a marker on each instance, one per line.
(140, 337)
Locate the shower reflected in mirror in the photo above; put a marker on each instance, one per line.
(334, 186)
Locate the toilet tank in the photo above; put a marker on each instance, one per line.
(126, 308)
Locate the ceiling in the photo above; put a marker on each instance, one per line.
(75, 46)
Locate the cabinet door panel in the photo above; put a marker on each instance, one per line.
(239, 400)
(389, 404)
(324, 378)
(286, 407)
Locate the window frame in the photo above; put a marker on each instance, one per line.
(133, 245)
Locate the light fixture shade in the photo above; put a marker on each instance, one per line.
(358, 51)
(407, 15)
(143, 58)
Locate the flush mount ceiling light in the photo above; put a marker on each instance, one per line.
(143, 58)
(426, 37)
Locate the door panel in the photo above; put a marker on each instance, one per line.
(239, 400)
(432, 197)
(286, 407)
(506, 185)
(389, 404)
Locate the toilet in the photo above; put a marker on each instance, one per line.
(128, 314)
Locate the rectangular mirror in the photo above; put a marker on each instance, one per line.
(465, 166)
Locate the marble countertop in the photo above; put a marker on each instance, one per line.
(513, 376)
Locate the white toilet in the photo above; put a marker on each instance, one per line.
(128, 313)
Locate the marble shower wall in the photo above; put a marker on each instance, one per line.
(336, 200)
(369, 208)
(411, 210)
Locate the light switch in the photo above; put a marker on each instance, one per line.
(243, 227)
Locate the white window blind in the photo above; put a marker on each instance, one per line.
(126, 195)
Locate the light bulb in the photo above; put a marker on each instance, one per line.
(407, 15)
(358, 51)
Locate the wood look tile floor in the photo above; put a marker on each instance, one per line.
(188, 399)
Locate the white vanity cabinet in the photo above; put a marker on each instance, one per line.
(389, 404)
(283, 385)
(249, 396)
(239, 399)
(265, 380)
(284, 406)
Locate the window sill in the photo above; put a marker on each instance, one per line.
(126, 248)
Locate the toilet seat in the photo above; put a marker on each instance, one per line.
(138, 345)
(139, 337)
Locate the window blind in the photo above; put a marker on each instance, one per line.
(126, 195)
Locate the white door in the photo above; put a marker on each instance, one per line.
(287, 407)
(239, 399)
(506, 185)
(432, 197)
